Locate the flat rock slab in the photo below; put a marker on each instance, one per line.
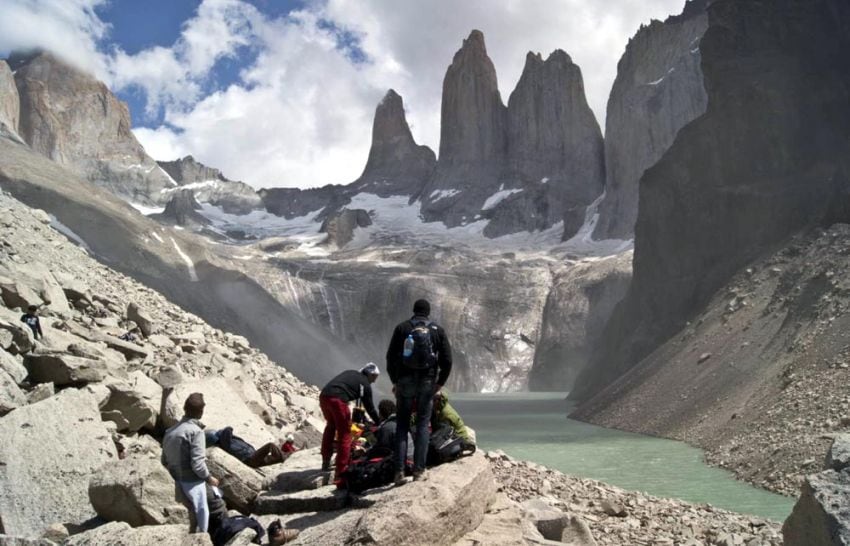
(49, 451)
(301, 471)
(64, 369)
(440, 510)
(324, 499)
(121, 534)
(239, 482)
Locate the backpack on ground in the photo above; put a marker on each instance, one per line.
(376, 471)
(445, 446)
(230, 527)
(235, 445)
(419, 353)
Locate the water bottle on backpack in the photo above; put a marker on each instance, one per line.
(408, 346)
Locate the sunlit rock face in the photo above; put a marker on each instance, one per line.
(75, 120)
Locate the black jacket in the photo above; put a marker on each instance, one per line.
(352, 385)
(395, 366)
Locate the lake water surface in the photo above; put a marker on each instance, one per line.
(534, 427)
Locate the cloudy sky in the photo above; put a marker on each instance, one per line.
(282, 92)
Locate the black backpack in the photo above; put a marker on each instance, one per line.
(235, 445)
(422, 355)
(376, 471)
(230, 527)
(445, 446)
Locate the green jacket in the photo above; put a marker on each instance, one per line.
(445, 414)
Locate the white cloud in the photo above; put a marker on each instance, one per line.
(70, 28)
(301, 114)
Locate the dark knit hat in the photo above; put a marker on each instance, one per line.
(422, 307)
(194, 405)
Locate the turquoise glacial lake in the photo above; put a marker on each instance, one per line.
(534, 427)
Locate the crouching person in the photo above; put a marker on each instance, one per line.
(184, 455)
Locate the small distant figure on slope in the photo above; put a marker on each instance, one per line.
(31, 320)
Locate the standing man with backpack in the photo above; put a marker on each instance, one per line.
(419, 361)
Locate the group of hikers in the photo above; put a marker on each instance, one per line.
(418, 362)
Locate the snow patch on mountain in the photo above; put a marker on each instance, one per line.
(498, 197)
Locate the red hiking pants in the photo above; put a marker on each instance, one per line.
(338, 416)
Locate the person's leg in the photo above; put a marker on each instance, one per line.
(404, 408)
(342, 423)
(267, 454)
(329, 433)
(196, 493)
(424, 404)
(181, 497)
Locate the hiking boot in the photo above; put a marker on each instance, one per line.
(398, 478)
(284, 536)
(419, 475)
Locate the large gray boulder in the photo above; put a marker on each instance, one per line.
(10, 364)
(441, 510)
(224, 407)
(73, 119)
(15, 337)
(658, 90)
(11, 396)
(142, 319)
(64, 369)
(49, 452)
(838, 456)
(25, 284)
(137, 490)
(239, 483)
(121, 534)
(301, 471)
(133, 404)
(821, 516)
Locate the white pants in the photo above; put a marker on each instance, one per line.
(195, 494)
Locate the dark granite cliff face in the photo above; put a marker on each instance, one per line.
(524, 167)
(768, 159)
(396, 164)
(473, 137)
(75, 120)
(555, 150)
(658, 89)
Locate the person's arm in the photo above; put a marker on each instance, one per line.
(197, 455)
(453, 418)
(394, 354)
(444, 358)
(370, 405)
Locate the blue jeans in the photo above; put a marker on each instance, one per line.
(413, 392)
(195, 497)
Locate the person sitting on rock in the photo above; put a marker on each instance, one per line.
(444, 414)
(31, 320)
(385, 440)
(349, 386)
(184, 455)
